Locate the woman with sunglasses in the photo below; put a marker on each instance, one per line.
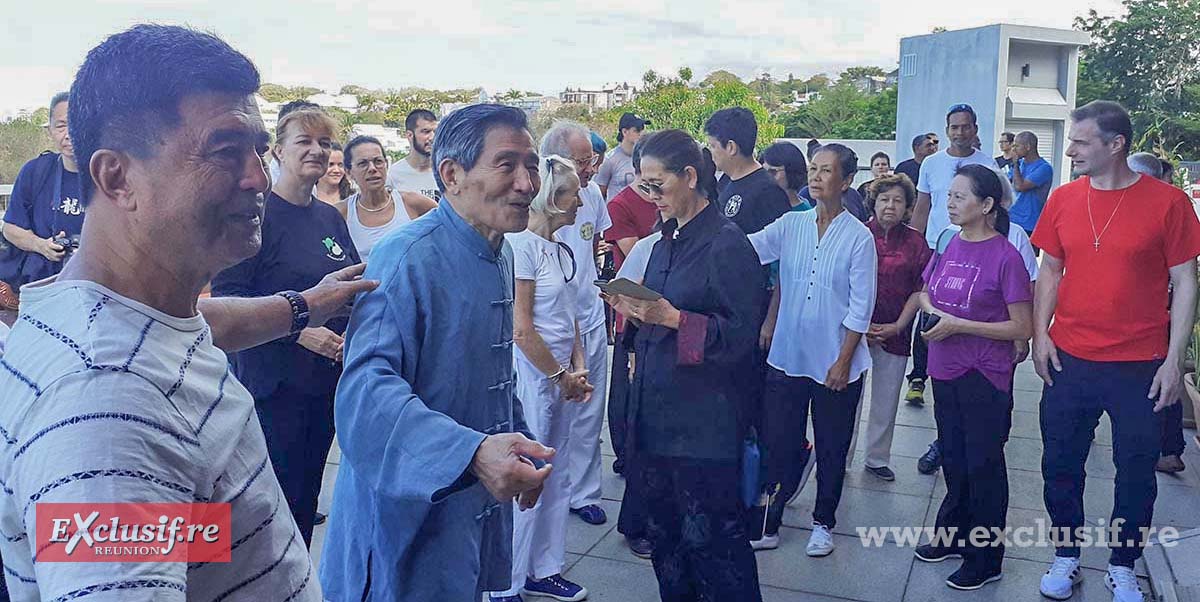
(550, 374)
(688, 408)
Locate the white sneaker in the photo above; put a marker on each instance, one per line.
(1059, 582)
(820, 543)
(1122, 582)
(768, 542)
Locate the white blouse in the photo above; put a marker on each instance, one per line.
(827, 289)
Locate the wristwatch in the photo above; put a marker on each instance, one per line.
(299, 310)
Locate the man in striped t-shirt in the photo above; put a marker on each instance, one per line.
(113, 385)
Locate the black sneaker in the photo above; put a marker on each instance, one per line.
(931, 553)
(929, 463)
(967, 579)
(883, 472)
(319, 519)
(641, 547)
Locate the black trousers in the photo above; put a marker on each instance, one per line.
(298, 426)
(1070, 411)
(696, 522)
(631, 522)
(1172, 430)
(785, 424)
(973, 422)
(920, 354)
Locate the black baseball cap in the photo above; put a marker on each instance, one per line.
(629, 120)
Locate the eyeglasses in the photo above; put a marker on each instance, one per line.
(378, 162)
(562, 246)
(774, 170)
(588, 162)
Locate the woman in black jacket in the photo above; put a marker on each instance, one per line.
(687, 412)
(293, 379)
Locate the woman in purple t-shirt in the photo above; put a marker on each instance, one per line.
(978, 291)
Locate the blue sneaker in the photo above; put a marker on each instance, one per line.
(516, 598)
(591, 514)
(555, 586)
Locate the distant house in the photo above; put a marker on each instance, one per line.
(871, 84)
(535, 104)
(347, 102)
(603, 97)
(269, 111)
(393, 139)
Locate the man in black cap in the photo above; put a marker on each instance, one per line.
(617, 170)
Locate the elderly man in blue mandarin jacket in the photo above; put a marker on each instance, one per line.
(430, 431)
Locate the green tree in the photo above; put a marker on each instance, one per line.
(278, 93)
(685, 74)
(21, 139)
(853, 74)
(674, 105)
(1148, 60)
(719, 76)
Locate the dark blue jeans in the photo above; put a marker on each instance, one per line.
(1172, 429)
(1070, 411)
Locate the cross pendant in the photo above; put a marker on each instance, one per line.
(1096, 246)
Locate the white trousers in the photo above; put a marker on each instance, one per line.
(887, 377)
(540, 533)
(584, 446)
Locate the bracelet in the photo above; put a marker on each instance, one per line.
(557, 376)
(299, 310)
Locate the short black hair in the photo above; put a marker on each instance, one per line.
(461, 134)
(1008, 137)
(127, 93)
(1112, 119)
(348, 153)
(962, 107)
(415, 115)
(881, 155)
(919, 139)
(789, 157)
(735, 124)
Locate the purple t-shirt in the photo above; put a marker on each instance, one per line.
(976, 281)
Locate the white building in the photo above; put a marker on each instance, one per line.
(603, 97)
(393, 139)
(535, 104)
(269, 111)
(347, 102)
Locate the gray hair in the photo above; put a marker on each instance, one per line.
(557, 140)
(558, 176)
(57, 98)
(1145, 164)
(461, 135)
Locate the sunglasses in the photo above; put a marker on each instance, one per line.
(562, 246)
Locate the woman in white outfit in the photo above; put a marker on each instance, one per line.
(375, 210)
(549, 359)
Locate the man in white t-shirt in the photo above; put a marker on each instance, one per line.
(937, 171)
(414, 173)
(115, 386)
(573, 141)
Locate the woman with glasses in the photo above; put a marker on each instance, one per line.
(550, 374)
(293, 379)
(334, 186)
(372, 212)
(688, 406)
(786, 164)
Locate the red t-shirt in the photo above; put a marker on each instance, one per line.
(632, 216)
(1112, 302)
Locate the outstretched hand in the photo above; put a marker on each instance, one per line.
(332, 296)
(502, 464)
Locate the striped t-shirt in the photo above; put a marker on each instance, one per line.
(104, 399)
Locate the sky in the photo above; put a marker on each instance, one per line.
(536, 45)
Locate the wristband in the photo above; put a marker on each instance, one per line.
(557, 376)
(300, 313)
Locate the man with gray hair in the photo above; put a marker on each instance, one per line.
(1146, 164)
(44, 213)
(430, 429)
(572, 140)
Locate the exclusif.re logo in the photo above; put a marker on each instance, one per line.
(133, 532)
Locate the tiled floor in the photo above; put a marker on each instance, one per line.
(599, 559)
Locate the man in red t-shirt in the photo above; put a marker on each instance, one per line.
(633, 218)
(1107, 238)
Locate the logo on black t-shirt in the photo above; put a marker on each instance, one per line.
(333, 250)
(733, 205)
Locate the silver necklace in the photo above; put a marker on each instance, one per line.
(1096, 237)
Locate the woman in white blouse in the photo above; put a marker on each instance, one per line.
(818, 354)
